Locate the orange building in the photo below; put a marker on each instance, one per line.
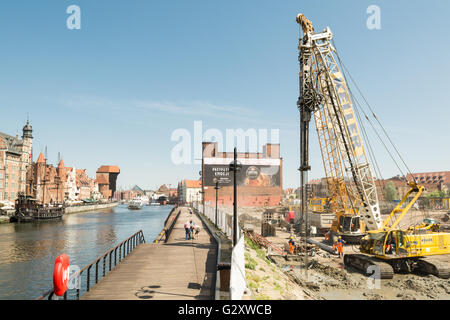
(107, 179)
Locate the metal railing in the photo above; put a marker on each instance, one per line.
(114, 256)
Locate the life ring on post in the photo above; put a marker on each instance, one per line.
(61, 275)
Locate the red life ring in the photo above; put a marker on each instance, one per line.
(61, 274)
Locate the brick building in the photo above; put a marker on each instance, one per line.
(259, 182)
(47, 183)
(106, 179)
(15, 158)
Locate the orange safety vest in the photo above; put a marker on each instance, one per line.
(339, 246)
(291, 248)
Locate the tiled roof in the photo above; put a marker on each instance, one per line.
(41, 158)
(108, 169)
(193, 183)
(12, 143)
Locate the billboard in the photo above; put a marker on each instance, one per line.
(254, 172)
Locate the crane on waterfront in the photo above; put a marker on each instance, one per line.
(325, 96)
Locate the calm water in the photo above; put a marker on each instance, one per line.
(28, 250)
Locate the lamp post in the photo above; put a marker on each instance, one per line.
(235, 167)
(217, 191)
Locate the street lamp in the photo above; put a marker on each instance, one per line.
(217, 190)
(235, 167)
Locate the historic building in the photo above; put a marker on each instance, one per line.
(47, 183)
(106, 179)
(259, 181)
(15, 158)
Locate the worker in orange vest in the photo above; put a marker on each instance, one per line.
(291, 245)
(339, 246)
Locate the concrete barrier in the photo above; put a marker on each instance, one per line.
(90, 207)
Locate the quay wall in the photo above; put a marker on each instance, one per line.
(91, 207)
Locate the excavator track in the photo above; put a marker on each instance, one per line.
(363, 262)
(435, 265)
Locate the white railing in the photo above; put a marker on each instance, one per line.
(238, 282)
(224, 218)
(224, 222)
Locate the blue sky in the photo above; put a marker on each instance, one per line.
(114, 91)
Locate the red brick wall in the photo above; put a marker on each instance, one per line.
(247, 196)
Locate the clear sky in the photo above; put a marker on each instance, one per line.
(115, 90)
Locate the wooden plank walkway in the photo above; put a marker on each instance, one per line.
(177, 270)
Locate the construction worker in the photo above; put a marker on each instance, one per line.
(327, 236)
(291, 245)
(339, 246)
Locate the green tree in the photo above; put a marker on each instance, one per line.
(390, 192)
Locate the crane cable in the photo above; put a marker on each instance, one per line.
(374, 115)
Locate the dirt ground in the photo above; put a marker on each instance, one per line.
(326, 277)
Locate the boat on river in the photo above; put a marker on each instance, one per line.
(28, 209)
(135, 204)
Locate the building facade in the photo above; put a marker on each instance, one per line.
(107, 179)
(189, 191)
(15, 157)
(259, 182)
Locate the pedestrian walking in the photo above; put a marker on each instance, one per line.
(197, 230)
(192, 226)
(187, 228)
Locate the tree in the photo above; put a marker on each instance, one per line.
(390, 192)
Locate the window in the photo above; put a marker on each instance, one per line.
(0, 194)
(1, 175)
(13, 185)
(12, 195)
(6, 184)
(1, 186)
(6, 195)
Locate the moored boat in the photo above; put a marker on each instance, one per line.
(28, 210)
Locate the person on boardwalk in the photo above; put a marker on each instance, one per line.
(187, 228)
(197, 230)
(192, 225)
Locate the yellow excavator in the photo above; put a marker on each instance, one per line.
(324, 95)
(423, 248)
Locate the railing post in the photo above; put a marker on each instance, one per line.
(120, 252)
(110, 259)
(104, 262)
(115, 257)
(96, 272)
(88, 278)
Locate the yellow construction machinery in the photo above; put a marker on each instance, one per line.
(353, 198)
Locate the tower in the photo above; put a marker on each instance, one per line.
(27, 138)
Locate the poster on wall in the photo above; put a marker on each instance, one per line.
(254, 172)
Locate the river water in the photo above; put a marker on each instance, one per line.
(28, 250)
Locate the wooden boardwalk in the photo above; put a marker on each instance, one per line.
(177, 270)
